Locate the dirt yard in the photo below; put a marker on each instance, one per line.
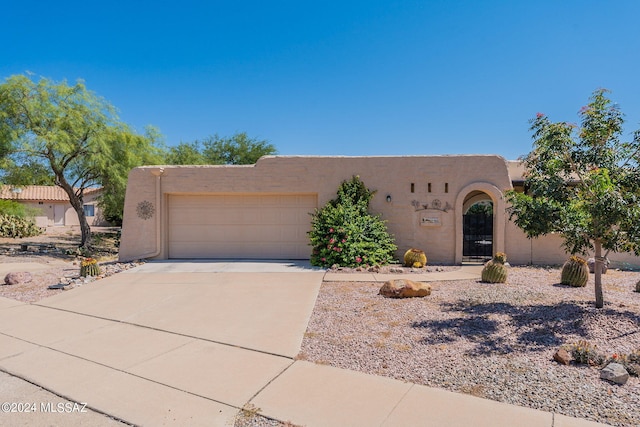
(52, 258)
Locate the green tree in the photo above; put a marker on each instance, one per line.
(128, 151)
(72, 131)
(583, 183)
(238, 149)
(343, 232)
(185, 153)
(21, 172)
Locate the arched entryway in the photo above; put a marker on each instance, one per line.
(486, 237)
(477, 227)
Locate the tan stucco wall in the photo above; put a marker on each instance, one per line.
(322, 175)
(46, 214)
(393, 176)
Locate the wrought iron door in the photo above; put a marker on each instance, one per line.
(477, 237)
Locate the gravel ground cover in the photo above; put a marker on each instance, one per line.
(494, 341)
(489, 340)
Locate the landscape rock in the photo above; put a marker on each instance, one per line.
(404, 289)
(17, 278)
(615, 373)
(591, 262)
(562, 356)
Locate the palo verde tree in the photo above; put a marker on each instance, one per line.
(583, 183)
(72, 131)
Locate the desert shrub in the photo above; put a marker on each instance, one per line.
(11, 207)
(587, 353)
(343, 232)
(15, 226)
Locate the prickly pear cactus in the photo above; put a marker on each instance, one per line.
(415, 258)
(495, 271)
(575, 272)
(89, 267)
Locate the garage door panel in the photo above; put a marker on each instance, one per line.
(240, 226)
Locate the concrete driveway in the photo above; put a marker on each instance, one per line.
(159, 345)
(167, 343)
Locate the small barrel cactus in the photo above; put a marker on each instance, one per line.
(495, 271)
(575, 272)
(415, 258)
(89, 267)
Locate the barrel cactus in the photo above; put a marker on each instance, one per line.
(575, 272)
(89, 267)
(415, 258)
(495, 271)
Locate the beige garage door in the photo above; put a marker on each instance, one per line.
(260, 226)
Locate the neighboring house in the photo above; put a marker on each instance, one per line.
(52, 204)
(263, 210)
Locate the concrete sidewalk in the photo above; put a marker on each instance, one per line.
(178, 348)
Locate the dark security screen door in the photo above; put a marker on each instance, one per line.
(478, 237)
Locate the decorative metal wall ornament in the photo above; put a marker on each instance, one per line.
(145, 210)
(436, 205)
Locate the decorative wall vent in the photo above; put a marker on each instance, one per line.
(145, 210)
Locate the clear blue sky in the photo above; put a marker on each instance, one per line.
(337, 77)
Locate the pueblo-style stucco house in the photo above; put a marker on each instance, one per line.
(262, 211)
(52, 205)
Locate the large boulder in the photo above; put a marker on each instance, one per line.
(17, 278)
(402, 288)
(615, 372)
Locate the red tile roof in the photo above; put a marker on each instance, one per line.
(37, 192)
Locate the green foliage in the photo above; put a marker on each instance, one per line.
(74, 133)
(586, 353)
(128, 151)
(21, 172)
(17, 227)
(583, 183)
(238, 149)
(11, 207)
(343, 232)
(415, 258)
(484, 207)
(575, 272)
(186, 153)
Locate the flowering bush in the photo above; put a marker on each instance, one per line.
(343, 232)
(585, 352)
